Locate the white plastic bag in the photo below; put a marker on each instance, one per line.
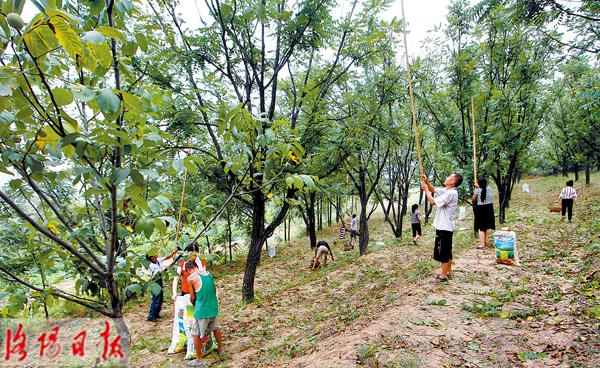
(525, 188)
(182, 321)
(271, 250)
(462, 213)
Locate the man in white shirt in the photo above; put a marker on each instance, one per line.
(446, 200)
(156, 266)
(353, 228)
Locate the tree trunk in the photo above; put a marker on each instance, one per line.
(576, 170)
(310, 215)
(399, 227)
(256, 242)
(320, 214)
(229, 235)
(329, 213)
(363, 227)
(587, 174)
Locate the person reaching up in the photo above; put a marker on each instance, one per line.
(446, 200)
(156, 267)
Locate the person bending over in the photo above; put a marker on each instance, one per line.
(322, 250)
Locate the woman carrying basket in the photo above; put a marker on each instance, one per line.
(483, 210)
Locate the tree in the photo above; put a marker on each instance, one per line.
(513, 67)
(75, 111)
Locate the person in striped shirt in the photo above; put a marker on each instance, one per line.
(568, 195)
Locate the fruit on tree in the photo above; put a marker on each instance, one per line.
(14, 20)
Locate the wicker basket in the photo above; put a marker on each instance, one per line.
(555, 207)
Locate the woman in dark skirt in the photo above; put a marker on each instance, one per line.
(483, 209)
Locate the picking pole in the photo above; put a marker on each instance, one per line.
(410, 92)
(474, 139)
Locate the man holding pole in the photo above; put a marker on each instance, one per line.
(446, 200)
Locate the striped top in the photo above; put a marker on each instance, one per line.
(342, 231)
(568, 193)
(489, 196)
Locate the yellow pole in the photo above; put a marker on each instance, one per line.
(181, 205)
(185, 174)
(410, 92)
(474, 139)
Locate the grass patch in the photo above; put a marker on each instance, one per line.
(483, 309)
(420, 269)
(405, 361)
(367, 355)
(522, 313)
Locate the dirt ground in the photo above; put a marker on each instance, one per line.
(386, 309)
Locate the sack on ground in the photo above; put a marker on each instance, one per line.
(271, 250)
(182, 322)
(182, 338)
(462, 213)
(525, 188)
(505, 242)
(348, 246)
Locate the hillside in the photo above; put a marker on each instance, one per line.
(386, 310)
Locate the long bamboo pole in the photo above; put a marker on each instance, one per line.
(474, 139)
(185, 174)
(410, 92)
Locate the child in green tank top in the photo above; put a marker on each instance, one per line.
(203, 295)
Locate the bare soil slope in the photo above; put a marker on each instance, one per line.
(385, 309)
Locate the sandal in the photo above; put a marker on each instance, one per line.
(441, 279)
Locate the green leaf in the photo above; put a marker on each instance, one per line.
(155, 206)
(67, 37)
(132, 289)
(160, 225)
(62, 96)
(178, 165)
(138, 179)
(154, 288)
(118, 175)
(148, 228)
(112, 33)
(102, 53)
(108, 102)
(164, 201)
(190, 165)
(84, 93)
(142, 41)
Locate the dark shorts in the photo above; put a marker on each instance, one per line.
(353, 234)
(442, 250)
(416, 228)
